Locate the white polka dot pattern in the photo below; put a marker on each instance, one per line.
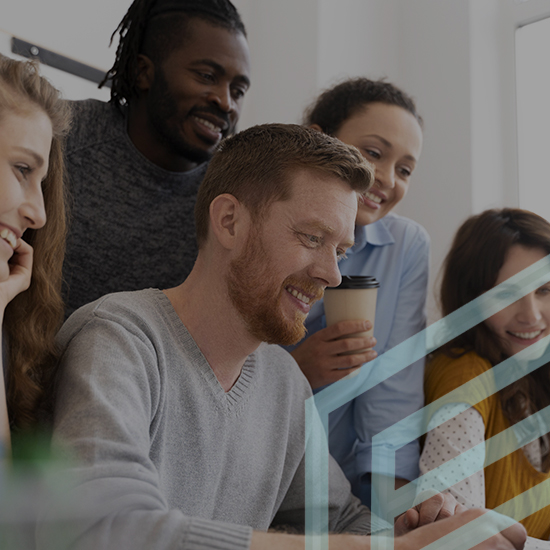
(452, 438)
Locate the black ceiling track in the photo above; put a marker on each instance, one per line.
(66, 64)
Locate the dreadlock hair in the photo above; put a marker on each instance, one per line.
(156, 28)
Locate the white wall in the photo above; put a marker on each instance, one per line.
(283, 45)
(301, 46)
(74, 28)
(435, 65)
(78, 28)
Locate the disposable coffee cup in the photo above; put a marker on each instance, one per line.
(353, 300)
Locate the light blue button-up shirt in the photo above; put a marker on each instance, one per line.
(395, 250)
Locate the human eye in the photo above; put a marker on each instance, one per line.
(372, 153)
(544, 290)
(405, 171)
(507, 292)
(341, 254)
(238, 92)
(311, 241)
(23, 169)
(206, 76)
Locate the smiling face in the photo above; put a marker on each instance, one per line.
(528, 320)
(195, 96)
(391, 138)
(291, 256)
(25, 141)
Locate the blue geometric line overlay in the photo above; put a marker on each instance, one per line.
(391, 502)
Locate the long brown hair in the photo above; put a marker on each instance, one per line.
(33, 317)
(471, 268)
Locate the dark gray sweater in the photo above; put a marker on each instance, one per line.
(168, 460)
(132, 224)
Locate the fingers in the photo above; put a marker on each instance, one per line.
(511, 538)
(351, 345)
(515, 535)
(439, 506)
(494, 531)
(324, 360)
(345, 328)
(406, 522)
(22, 257)
(20, 271)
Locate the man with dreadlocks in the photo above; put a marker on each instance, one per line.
(135, 163)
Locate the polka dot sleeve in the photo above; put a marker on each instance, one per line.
(451, 439)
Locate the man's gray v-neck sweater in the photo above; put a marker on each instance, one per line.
(168, 460)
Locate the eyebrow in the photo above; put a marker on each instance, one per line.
(37, 158)
(220, 69)
(325, 229)
(389, 145)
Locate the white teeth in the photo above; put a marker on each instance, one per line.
(526, 335)
(208, 124)
(373, 197)
(298, 295)
(9, 237)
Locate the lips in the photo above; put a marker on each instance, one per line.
(304, 293)
(302, 297)
(372, 200)
(210, 125)
(9, 237)
(526, 335)
(373, 197)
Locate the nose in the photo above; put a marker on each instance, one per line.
(326, 270)
(221, 96)
(32, 208)
(529, 311)
(385, 175)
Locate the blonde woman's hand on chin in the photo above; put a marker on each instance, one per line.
(20, 271)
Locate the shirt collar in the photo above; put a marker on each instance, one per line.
(375, 234)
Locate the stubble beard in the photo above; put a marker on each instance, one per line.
(162, 113)
(257, 296)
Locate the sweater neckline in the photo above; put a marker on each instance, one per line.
(238, 393)
(146, 165)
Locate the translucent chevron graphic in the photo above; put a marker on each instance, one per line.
(387, 503)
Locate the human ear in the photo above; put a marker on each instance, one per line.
(227, 217)
(316, 127)
(145, 72)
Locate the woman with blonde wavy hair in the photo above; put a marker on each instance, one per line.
(33, 122)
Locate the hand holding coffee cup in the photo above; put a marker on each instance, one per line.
(337, 350)
(353, 299)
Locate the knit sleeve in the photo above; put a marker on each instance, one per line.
(111, 498)
(346, 513)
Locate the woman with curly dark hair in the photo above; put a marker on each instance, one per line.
(487, 250)
(33, 122)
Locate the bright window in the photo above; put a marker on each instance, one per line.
(533, 112)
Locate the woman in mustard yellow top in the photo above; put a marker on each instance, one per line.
(488, 249)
